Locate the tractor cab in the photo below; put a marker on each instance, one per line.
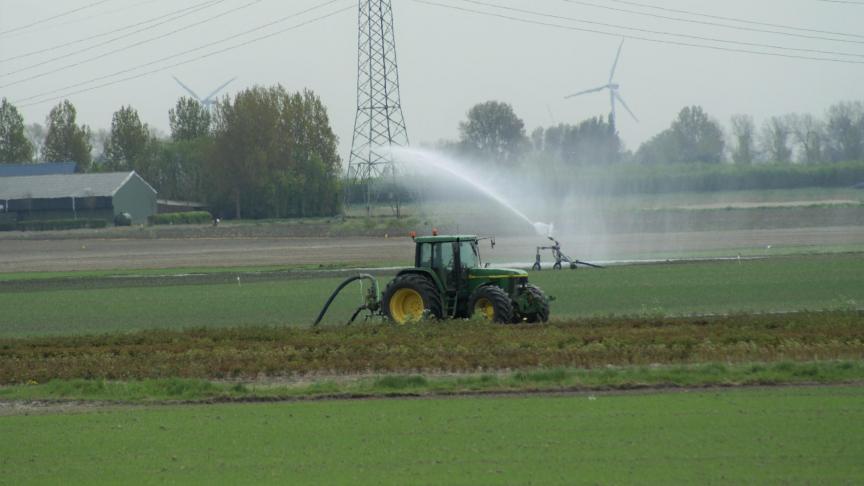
(450, 258)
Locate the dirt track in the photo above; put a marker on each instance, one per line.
(92, 254)
(67, 254)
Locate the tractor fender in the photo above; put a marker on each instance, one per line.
(425, 272)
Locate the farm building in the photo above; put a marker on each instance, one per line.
(77, 196)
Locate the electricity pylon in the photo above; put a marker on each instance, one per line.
(379, 124)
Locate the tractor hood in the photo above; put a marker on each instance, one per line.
(496, 273)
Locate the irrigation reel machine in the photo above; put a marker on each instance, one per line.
(559, 257)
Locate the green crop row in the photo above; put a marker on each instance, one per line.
(455, 346)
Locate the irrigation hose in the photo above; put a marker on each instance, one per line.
(592, 265)
(345, 283)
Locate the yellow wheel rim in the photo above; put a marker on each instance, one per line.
(483, 308)
(406, 305)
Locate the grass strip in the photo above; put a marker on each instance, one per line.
(538, 380)
(439, 347)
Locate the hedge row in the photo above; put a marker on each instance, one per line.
(57, 224)
(646, 179)
(190, 217)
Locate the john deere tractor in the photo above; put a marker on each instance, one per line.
(448, 281)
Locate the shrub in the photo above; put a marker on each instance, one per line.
(123, 219)
(190, 217)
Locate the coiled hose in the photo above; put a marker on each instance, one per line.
(373, 299)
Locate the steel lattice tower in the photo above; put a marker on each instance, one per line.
(379, 123)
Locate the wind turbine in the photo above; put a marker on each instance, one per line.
(613, 88)
(210, 101)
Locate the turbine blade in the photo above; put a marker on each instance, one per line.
(615, 64)
(226, 83)
(187, 88)
(624, 104)
(594, 90)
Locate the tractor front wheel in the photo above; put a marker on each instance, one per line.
(491, 303)
(410, 298)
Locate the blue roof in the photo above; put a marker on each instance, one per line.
(46, 168)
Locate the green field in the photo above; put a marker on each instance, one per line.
(784, 435)
(98, 305)
(93, 366)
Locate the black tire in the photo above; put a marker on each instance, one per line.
(496, 302)
(536, 266)
(557, 266)
(538, 295)
(403, 312)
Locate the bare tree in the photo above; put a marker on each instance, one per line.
(36, 134)
(775, 140)
(744, 132)
(809, 134)
(98, 140)
(845, 131)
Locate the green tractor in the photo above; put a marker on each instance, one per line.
(449, 281)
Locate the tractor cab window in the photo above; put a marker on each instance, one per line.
(468, 255)
(425, 255)
(442, 257)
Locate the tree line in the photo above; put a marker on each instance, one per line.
(270, 153)
(265, 153)
(492, 131)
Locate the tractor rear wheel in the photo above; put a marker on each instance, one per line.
(410, 298)
(539, 305)
(491, 303)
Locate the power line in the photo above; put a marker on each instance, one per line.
(848, 2)
(735, 19)
(195, 7)
(187, 61)
(47, 19)
(637, 37)
(108, 12)
(183, 53)
(79, 19)
(716, 24)
(119, 49)
(675, 34)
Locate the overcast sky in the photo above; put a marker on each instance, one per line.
(449, 59)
